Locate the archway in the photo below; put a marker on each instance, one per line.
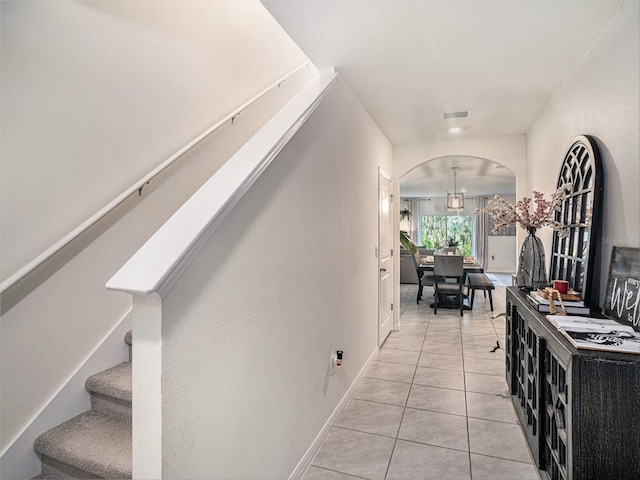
(509, 152)
(423, 191)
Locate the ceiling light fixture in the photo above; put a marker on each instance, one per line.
(455, 130)
(455, 200)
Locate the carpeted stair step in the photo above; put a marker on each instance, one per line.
(91, 445)
(110, 391)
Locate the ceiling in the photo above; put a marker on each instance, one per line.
(408, 61)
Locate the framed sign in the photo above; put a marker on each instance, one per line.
(622, 302)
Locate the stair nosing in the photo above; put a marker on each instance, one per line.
(105, 384)
(58, 443)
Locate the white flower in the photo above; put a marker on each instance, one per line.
(505, 214)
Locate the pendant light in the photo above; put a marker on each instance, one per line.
(455, 200)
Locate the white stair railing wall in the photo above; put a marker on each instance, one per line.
(64, 295)
(150, 274)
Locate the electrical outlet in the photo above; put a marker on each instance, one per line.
(335, 361)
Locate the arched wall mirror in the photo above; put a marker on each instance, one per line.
(572, 257)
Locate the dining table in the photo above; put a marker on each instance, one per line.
(469, 267)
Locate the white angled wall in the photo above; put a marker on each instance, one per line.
(602, 99)
(94, 94)
(290, 277)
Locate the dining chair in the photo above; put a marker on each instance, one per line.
(425, 279)
(448, 273)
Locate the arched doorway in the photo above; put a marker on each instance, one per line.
(423, 191)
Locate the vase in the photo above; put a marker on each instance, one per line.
(532, 273)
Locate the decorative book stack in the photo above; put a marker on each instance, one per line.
(573, 303)
(598, 333)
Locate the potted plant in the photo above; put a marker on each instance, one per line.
(452, 242)
(405, 214)
(407, 243)
(405, 239)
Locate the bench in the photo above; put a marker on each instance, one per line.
(480, 281)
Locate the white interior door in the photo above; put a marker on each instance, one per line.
(385, 259)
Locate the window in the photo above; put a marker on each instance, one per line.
(435, 230)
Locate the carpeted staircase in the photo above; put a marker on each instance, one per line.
(96, 443)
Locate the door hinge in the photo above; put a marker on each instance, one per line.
(392, 252)
(392, 307)
(391, 198)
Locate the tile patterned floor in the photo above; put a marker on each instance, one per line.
(434, 404)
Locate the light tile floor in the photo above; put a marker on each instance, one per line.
(434, 404)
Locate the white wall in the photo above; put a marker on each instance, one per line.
(501, 251)
(600, 99)
(96, 106)
(95, 94)
(290, 276)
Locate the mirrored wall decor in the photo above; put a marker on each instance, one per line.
(572, 257)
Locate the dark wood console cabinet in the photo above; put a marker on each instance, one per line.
(579, 409)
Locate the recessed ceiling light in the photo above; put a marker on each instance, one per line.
(454, 129)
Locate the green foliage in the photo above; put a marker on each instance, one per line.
(438, 231)
(405, 214)
(407, 243)
(434, 232)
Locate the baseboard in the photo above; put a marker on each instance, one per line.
(19, 461)
(317, 442)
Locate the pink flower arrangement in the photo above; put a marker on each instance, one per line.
(529, 213)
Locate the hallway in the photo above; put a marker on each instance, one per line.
(434, 404)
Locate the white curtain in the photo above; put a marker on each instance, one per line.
(414, 230)
(481, 233)
(411, 226)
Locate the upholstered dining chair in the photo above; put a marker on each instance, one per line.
(448, 273)
(425, 279)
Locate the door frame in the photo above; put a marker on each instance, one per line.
(382, 310)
